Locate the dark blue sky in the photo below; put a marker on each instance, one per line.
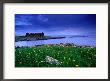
(56, 24)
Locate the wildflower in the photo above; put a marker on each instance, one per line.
(77, 65)
(34, 51)
(20, 62)
(64, 57)
(36, 61)
(26, 55)
(87, 51)
(42, 61)
(74, 60)
(67, 63)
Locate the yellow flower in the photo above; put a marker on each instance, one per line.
(74, 60)
(20, 62)
(42, 61)
(77, 65)
(34, 51)
(64, 57)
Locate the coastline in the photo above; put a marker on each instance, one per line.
(29, 38)
(61, 44)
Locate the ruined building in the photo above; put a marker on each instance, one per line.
(38, 35)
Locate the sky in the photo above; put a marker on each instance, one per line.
(55, 24)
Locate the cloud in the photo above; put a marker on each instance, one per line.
(30, 19)
(23, 20)
(23, 23)
(42, 18)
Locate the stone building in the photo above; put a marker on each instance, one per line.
(38, 35)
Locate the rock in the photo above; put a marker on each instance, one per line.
(52, 60)
(68, 44)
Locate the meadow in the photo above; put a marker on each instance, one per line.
(66, 55)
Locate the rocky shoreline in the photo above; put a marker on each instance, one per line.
(63, 45)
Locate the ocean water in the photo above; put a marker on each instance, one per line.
(78, 40)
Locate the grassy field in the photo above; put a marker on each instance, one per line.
(67, 56)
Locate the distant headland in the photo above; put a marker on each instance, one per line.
(34, 36)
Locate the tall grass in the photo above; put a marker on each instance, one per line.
(68, 56)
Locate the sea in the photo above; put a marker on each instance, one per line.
(77, 40)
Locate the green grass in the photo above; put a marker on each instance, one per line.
(68, 56)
